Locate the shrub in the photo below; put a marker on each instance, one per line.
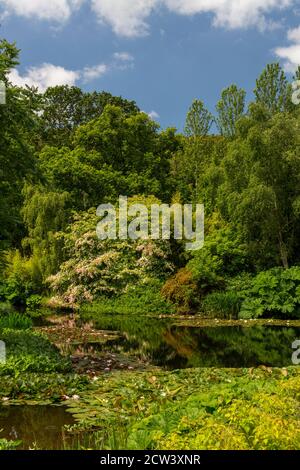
(137, 301)
(224, 305)
(5, 308)
(28, 351)
(222, 255)
(9, 445)
(106, 268)
(181, 290)
(274, 292)
(23, 278)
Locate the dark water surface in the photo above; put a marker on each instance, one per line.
(176, 347)
(38, 427)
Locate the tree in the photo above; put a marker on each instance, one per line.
(273, 90)
(198, 121)
(261, 190)
(45, 213)
(65, 108)
(230, 109)
(17, 123)
(192, 161)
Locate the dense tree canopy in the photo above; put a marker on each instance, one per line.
(64, 152)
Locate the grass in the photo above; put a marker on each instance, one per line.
(15, 321)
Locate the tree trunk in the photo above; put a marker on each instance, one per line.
(283, 252)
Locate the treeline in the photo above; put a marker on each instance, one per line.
(64, 152)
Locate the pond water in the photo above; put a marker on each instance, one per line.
(162, 344)
(38, 427)
(157, 342)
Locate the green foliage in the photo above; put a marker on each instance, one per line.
(222, 256)
(274, 292)
(225, 305)
(136, 301)
(272, 89)
(6, 308)
(15, 321)
(190, 163)
(45, 213)
(230, 109)
(29, 351)
(114, 154)
(199, 120)
(17, 124)
(97, 268)
(260, 190)
(65, 108)
(200, 409)
(22, 278)
(9, 445)
(43, 388)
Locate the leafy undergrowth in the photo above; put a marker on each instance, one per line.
(192, 409)
(9, 445)
(33, 388)
(15, 321)
(29, 351)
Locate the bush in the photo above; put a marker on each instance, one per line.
(23, 278)
(273, 293)
(15, 321)
(222, 256)
(105, 268)
(137, 301)
(224, 305)
(27, 351)
(9, 445)
(181, 290)
(6, 308)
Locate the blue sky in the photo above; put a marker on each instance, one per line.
(161, 53)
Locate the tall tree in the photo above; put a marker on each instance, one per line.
(261, 190)
(198, 121)
(230, 109)
(273, 90)
(17, 122)
(65, 108)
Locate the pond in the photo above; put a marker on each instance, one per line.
(38, 427)
(161, 343)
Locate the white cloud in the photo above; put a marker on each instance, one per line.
(48, 75)
(92, 73)
(126, 17)
(294, 34)
(123, 57)
(129, 17)
(44, 76)
(153, 115)
(291, 54)
(55, 10)
(123, 61)
(231, 13)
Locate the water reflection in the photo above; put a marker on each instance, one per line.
(38, 427)
(173, 347)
